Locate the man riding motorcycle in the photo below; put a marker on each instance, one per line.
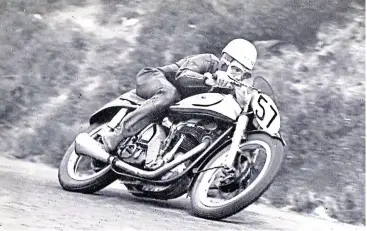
(163, 86)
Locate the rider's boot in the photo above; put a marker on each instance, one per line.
(112, 137)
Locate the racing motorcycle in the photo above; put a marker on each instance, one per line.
(187, 152)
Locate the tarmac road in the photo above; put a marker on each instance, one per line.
(32, 199)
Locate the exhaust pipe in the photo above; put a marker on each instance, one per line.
(84, 144)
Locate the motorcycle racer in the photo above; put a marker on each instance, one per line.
(195, 74)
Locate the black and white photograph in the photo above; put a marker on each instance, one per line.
(182, 115)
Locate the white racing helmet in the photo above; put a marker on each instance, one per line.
(243, 51)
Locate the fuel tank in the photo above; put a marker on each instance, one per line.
(210, 105)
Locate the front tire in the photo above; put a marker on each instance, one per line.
(250, 194)
(70, 181)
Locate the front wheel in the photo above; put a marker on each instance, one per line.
(210, 201)
(75, 172)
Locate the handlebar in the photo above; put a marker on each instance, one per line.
(212, 82)
(240, 84)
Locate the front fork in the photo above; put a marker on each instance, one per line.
(236, 140)
(241, 125)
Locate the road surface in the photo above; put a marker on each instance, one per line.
(32, 199)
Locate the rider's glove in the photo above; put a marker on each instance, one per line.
(209, 79)
(223, 80)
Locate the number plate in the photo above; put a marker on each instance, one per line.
(266, 113)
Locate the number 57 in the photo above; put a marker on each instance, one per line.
(263, 110)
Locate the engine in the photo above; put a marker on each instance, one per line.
(165, 141)
(193, 136)
(175, 139)
(190, 133)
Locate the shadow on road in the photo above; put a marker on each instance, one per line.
(123, 195)
(116, 196)
(182, 204)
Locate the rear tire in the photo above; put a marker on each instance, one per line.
(89, 185)
(222, 211)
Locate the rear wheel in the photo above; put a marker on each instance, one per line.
(75, 172)
(210, 201)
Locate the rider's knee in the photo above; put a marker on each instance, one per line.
(169, 95)
(146, 71)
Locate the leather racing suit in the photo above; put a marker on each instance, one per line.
(163, 86)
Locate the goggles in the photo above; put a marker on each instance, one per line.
(236, 69)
